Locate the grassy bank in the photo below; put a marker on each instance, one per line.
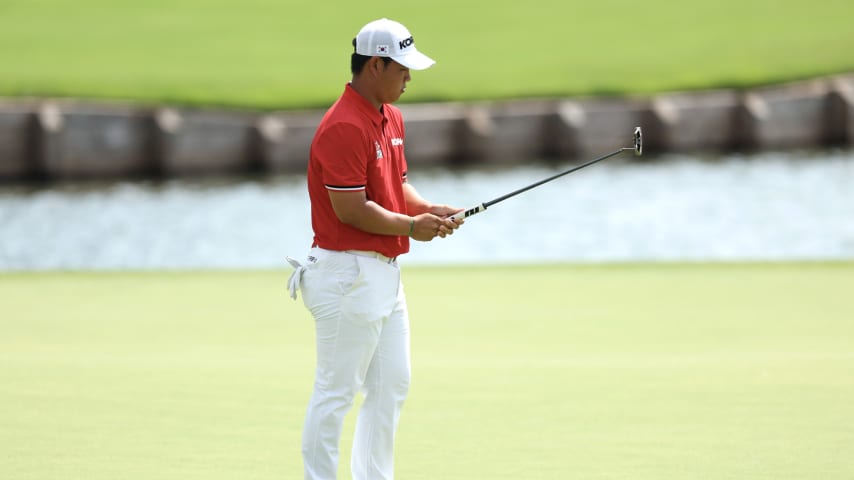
(642, 372)
(290, 54)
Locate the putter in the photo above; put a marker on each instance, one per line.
(638, 149)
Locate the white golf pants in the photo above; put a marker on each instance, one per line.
(362, 334)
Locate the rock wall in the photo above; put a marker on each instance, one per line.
(62, 139)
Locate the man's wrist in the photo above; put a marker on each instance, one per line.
(411, 226)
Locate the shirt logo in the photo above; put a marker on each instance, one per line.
(379, 150)
(396, 142)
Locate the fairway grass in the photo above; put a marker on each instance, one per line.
(543, 372)
(270, 55)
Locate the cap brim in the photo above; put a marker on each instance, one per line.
(414, 60)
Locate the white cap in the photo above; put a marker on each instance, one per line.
(387, 38)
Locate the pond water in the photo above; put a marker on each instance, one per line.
(769, 206)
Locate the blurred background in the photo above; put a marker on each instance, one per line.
(173, 135)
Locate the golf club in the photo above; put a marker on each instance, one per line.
(638, 149)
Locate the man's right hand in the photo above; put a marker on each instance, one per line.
(428, 226)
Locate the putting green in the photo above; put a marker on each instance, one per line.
(617, 371)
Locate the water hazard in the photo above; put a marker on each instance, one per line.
(770, 206)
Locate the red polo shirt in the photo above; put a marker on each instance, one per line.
(357, 147)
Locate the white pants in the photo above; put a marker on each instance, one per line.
(362, 333)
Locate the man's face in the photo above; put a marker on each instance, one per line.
(392, 81)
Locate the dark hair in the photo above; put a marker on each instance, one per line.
(357, 62)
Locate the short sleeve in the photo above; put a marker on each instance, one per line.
(340, 150)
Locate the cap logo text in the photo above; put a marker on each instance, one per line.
(406, 43)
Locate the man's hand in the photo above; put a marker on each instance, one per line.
(430, 225)
(416, 205)
(445, 211)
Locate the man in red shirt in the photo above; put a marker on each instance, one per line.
(363, 213)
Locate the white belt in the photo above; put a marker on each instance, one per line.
(378, 256)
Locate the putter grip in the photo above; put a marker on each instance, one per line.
(468, 212)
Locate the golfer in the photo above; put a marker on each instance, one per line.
(363, 213)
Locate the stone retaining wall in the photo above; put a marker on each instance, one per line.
(59, 139)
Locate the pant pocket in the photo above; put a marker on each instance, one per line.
(325, 282)
(373, 294)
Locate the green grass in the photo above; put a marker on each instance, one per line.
(293, 54)
(593, 372)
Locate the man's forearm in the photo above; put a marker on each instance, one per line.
(371, 217)
(415, 203)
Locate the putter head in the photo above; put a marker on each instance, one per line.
(638, 142)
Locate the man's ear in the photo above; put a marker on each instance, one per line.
(375, 64)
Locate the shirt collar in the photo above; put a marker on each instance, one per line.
(363, 105)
